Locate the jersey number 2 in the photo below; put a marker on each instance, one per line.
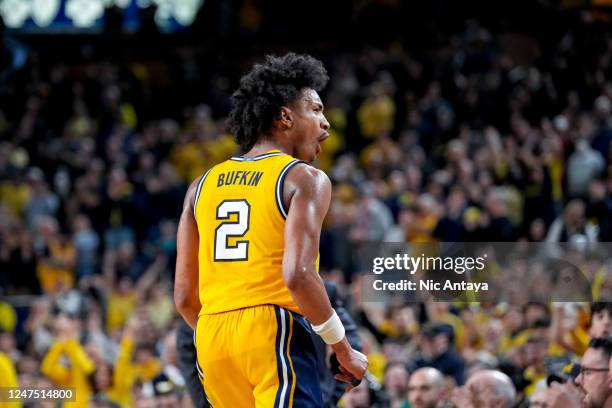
(232, 229)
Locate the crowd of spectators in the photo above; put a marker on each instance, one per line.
(467, 142)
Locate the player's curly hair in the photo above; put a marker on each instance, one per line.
(266, 88)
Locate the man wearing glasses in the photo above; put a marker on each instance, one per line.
(594, 387)
(593, 378)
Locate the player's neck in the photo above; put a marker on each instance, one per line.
(265, 146)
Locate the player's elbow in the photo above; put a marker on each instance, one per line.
(295, 277)
(182, 300)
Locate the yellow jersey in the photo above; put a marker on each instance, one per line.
(240, 216)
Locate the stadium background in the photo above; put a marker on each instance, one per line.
(451, 121)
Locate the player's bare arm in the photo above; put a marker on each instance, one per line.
(307, 194)
(186, 280)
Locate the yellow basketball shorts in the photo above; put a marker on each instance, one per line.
(260, 356)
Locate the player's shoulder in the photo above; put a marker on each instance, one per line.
(199, 180)
(196, 185)
(305, 176)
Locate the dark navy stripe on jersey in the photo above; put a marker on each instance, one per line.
(198, 191)
(258, 157)
(280, 185)
(286, 350)
(307, 393)
(282, 362)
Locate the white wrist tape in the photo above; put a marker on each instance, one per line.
(332, 331)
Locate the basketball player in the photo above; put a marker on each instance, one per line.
(248, 241)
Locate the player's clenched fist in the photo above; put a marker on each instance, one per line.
(352, 366)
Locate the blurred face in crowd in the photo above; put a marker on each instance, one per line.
(486, 389)
(396, 381)
(495, 205)
(456, 202)
(432, 347)
(392, 351)
(126, 253)
(28, 364)
(170, 400)
(7, 342)
(143, 355)
(481, 394)
(425, 388)
(125, 286)
(404, 319)
(103, 377)
(534, 352)
(27, 380)
(597, 190)
(537, 230)
(601, 324)
(145, 402)
(594, 379)
(513, 319)
(358, 397)
(533, 313)
(81, 223)
(574, 214)
(309, 127)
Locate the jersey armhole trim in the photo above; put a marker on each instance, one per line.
(198, 191)
(280, 183)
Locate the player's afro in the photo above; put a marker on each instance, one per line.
(266, 88)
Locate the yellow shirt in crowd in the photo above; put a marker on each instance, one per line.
(8, 378)
(75, 375)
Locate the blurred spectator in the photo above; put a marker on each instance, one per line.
(469, 134)
(42, 201)
(599, 208)
(594, 377)
(437, 351)
(426, 216)
(601, 320)
(56, 257)
(486, 389)
(376, 114)
(603, 134)
(373, 218)
(80, 364)
(17, 255)
(396, 384)
(582, 166)
(499, 227)
(450, 226)
(426, 389)
(573, 226)
(86, 243)
(363, 396)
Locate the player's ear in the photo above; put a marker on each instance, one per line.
(286, 117)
